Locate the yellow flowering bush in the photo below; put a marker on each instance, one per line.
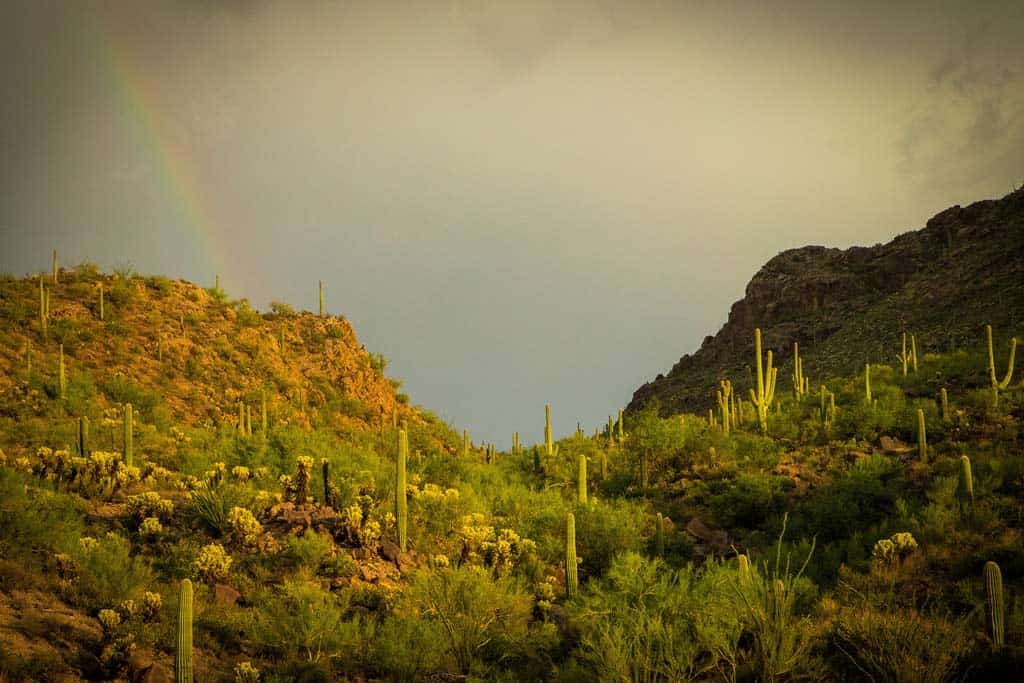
(148, 504)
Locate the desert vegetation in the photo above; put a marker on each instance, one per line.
(191, 488)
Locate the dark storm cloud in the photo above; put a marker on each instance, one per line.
(518, 203)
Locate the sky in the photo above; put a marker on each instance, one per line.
(517, 203)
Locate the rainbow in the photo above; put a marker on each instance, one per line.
(143, 118)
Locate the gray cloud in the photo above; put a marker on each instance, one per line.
(517, 203)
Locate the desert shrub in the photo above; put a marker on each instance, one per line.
(33, 519)
(603, 531)
(646, 622)
(484, 620)
(301, 620)
(746, 501)
(904, 645)
(108, 572)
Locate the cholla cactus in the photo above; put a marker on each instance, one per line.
(151, 604)
(151, 527)
(889, 551)
(148, 504)
(996, 611)
(213, 563)
(109, 619)
(245, 529)
(246, 673)
(765, 384)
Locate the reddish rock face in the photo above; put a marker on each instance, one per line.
(848, 307)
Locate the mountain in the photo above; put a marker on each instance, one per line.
(186, 354)
(845, 307)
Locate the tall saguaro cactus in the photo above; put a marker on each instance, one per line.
(799, 385)
(465, 443)
(997, 383)
(183, 648)
(965, 485)
(572, 581)
(401, 503)
(42, 309)
(56, 272)
(581, 481)
(101, 301)
(922, 437)
(321, 298)
(903, 356)
(945, 405)
(913, 352)
(129, 445)
(621, 436)
(996, 612)
(724, 396)
(867, 383)
(765, 383)
(659, 536)
(548, 443)
(83, 436)
(62, 381)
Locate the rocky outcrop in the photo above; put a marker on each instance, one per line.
(849, 306)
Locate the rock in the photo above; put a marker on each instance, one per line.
(157, 673)
(226, 595)
(893, 446)
(698, 529)
(406, 562)
(390, 551)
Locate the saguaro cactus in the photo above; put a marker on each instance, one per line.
(129, 426)
(603, 455)
(903, 356)
(401, 504)
(922, 437)
(572, 581)
(263, 412)
(621, 436)
(867, 383)
(581, 481)
(765, 383)
(62, 381)
(799, 385)
(659, 536)
(945, 405)
(965, 485)
(724, 396)
(42, 309)
(55, 271)
(325, 468)
(996, 613)
(913, 352)
(101, 301)
(83, 436)
(548, 443)
(465, 443)
(183, 648)
(321, 298)
(998, 384)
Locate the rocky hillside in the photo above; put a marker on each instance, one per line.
(942, 283)
(185, 354)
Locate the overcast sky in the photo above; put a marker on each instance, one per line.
(516, 202)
